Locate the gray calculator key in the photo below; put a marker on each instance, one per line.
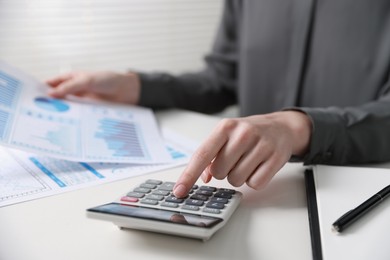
(194, 202)
(208, 188)
(149, 201)
(169, 204)
(199, 197)
(154, 197)
(166, 186)
(161, 192)
(215, 205)
(135, 194)
(227, 190)
(211, 210)
(148, 186)
(190, 207)
(174, 199)
(154, 182)
(220, 200)
(204, 192)
(142, 190)
(223, 195)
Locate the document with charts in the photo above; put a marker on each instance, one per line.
(71, 130)
(25, 176)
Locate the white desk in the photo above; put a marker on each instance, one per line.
(269, 224)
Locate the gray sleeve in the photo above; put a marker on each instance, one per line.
(208, 91)
(350, 135)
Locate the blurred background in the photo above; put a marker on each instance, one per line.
(47, 37)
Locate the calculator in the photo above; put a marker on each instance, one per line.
(151, 206)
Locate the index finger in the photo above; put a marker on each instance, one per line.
(55, 81)
(71, 86)
(198, 162)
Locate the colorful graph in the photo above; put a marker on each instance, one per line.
(57, 138)
(121, 137)
(66, 173)
(51, 104)
(9, 89)
(3, 123)
(175, 154)
(46, 132)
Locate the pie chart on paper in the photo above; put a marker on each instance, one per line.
(51, 104)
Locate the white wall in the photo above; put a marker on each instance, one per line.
(46, 37)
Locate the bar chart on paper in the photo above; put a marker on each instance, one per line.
(74, 130)
(9, 92)
(3, 122)
(116, 134)
(10, 88)
(122, 138)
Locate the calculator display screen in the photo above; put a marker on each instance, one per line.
(157, 214)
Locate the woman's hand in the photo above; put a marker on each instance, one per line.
(107, 86)
(248, 150)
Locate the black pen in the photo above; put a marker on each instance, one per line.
(351, 216)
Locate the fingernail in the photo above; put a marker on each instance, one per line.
(180, 191)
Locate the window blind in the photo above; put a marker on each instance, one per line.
(47, 37)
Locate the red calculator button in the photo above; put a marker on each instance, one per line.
(129, 199)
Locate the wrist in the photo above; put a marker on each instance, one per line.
(132, 87)
(300, 126)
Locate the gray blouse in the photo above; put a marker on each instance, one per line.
(327, 58)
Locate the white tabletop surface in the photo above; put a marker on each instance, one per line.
(269, 224)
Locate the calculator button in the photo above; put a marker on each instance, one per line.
(154, 182)
(148, 186)
(230, 191)
(211, 210)
(190, 207)
(169, 204)
(161, 192)
(220, 200)
(208, 188)
(135, 194)
(154, 197)
(149, 201)
(142, 190)
(215, 205)
(174, 199)
(129, 199)
(199, 197)
(166, 186)
(204, 192)
(223, 195)
(194, 202)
